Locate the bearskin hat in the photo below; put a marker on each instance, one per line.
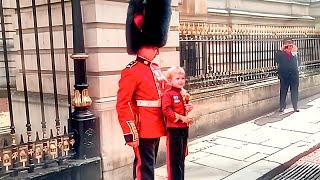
(154, 29)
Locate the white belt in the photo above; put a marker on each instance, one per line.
(149, 103)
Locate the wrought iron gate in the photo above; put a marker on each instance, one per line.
(52, 152)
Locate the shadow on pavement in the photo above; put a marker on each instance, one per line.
(275, 117)
(279, 116)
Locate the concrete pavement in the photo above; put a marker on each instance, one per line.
(250, 150)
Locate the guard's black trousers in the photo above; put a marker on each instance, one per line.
(292, 81)
(176, 152)
(145, 159)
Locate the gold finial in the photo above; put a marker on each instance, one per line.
(65, 146)
(216, 30)
(81, 100)
(76, 101)
(234, 30)
(23, 156)
(6, 160)
(86, 100)
(193, 30)
(38, 152)
(189, 29)
(205, 29)
(184, 29)
(210, 30)
(53, 149)
(225, 30)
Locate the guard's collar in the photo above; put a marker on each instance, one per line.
(143, 61)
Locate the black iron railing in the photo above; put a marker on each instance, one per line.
(38, 150)
(222, 55)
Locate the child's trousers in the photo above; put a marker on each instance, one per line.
(176, 152)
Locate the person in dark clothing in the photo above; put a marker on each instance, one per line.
(288, 73)
(175, 106)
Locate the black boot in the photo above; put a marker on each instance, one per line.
(281, 109)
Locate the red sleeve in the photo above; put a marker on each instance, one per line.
(167, 107)
(167, 86)
(125, 107)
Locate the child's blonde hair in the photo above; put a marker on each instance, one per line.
(173, 71)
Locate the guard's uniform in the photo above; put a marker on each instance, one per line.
(177, 133)
(289, 76)
(142, 83)
(139, 112)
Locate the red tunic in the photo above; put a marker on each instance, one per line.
(172, 102)
(141, 80)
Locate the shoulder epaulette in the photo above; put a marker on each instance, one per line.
(131, 64)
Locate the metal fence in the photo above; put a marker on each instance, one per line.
(50, 146)
(213, 55)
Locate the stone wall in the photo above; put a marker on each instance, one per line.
(314, 11)
(228, 108)
(8, 19)
(275, 13)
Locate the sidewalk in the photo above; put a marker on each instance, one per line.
(250, 150)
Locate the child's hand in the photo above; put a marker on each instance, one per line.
(188, 107)
(186, 119)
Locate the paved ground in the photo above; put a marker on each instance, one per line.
(250, 150)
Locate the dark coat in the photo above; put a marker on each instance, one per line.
(287, 67)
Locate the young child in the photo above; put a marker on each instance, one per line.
(175, 107)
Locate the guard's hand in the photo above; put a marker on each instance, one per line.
(133, 144)
(188, 107)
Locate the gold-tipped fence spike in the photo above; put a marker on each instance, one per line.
(53, 150)
(201, 30)
(37, 137)
(193, 29)
(13, 137)
(21, 139)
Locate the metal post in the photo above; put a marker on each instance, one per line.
(83, 121)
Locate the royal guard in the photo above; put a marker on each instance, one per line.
(142, 83)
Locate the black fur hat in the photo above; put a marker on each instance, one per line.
(154, 30)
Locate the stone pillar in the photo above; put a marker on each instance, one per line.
(193, 10)
(315, 12)
(193, 7)
(104, 29)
